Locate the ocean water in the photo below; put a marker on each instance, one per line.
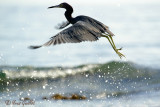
(110, 84)
(90, 69)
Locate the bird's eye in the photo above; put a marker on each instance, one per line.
(61, 5)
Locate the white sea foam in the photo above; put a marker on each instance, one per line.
(45, 73)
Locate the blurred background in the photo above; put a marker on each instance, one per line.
(24, 23)
(56, 69)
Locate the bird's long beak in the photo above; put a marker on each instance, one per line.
(57, 6)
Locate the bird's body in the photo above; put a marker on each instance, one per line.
(83, 28)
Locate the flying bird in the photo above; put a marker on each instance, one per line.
(83, 28)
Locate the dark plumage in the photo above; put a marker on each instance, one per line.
(83, 28)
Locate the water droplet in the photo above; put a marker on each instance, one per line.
(108, 67)
(86, 75)
(7, 83)
(44, 87)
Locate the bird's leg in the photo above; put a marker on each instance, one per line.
(113, 42)
(109, 37)
(114, 47)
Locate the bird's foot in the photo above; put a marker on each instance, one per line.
(119, 49)
(119, 54)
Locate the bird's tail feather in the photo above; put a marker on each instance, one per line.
(34, 47)
(108, 31)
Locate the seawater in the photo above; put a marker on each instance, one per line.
(111, 84)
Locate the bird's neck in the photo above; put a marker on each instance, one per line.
(68, 14)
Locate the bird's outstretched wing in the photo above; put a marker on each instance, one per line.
(62, 25)
(80, 31)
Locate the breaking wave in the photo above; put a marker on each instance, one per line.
(112, 79)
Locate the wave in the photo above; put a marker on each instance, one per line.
(111, 79)
(42, 72)
(112, 69)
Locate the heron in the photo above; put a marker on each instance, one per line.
(83, 28)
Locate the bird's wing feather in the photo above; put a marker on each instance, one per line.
(96, 24)
(62, 25)
(80, 31)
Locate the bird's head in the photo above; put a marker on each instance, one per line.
(62, 5)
